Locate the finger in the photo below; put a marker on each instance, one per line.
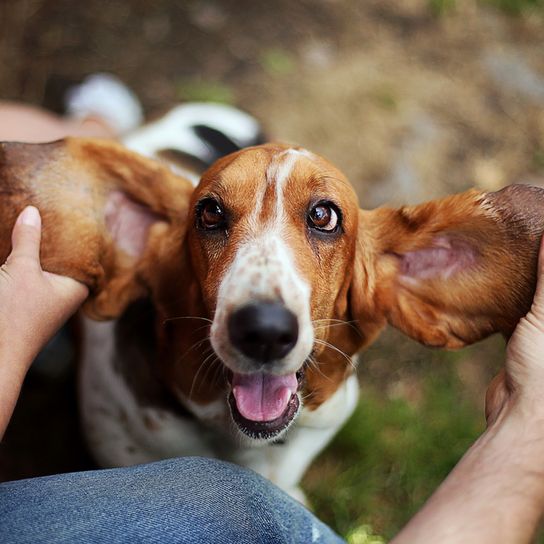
(541, 263)
(26, 235)
(538, 300)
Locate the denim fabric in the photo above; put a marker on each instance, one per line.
(188, 500)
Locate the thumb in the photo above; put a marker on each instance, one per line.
(26, 235)
(537, 308)
(525, 349)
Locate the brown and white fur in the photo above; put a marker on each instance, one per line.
(123, 427)
(274, 227)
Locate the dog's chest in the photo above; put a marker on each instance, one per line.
(125, 419)
(127, 422)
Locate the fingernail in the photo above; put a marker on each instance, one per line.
(30, 216)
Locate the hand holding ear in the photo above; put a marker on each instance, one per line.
(496, 491)
(33, 304)
(521, 385)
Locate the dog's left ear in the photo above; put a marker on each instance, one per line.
(111, 218)
(452, 271)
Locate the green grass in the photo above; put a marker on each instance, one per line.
(277, 62)
(385, 98)
(538, 159)
(511, 7)
(392, 454)
(196, 90)
(516, 7)
(441, 7)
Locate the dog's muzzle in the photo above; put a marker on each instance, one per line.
(264, 404)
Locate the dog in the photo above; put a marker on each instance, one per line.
(223, 319)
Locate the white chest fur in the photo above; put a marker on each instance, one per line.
(122, 431)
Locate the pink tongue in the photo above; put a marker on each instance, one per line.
(263, 397)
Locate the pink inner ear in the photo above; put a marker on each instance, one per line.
(128, 222)
(443, 259)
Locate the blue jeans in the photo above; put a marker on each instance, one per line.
(188, 500)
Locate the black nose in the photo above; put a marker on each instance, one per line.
(263, 331)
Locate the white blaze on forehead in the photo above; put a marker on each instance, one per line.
(280, 169)
(277, 173)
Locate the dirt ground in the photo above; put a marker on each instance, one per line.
(412, 99)
(410, 103)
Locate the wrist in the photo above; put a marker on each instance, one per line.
(520, 415)
(18, 349)
(18, 360)
(14, 364)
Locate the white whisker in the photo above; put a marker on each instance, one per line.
(201, 366)
(186, 317)
(313, 363)
(334, 348)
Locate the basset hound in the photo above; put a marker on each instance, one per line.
(223, 318)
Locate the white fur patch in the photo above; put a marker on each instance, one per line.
(105, 96)
(286, 464)
(336, 409)
(175, 131)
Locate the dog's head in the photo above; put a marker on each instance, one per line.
(268, 277)
(271, 241)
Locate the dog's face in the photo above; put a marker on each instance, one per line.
(272, 252)
(272, 241)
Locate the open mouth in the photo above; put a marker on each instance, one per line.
(263, 405)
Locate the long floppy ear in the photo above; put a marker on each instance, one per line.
(105, 211)
(451, 271)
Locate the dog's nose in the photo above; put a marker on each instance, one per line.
(263, 331)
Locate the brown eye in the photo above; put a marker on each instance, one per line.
(323, 217)
(210, 215)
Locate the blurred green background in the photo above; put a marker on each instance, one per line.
(413, 99)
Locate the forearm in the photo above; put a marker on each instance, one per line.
(13, 369)
(495, 493)
(24, 123)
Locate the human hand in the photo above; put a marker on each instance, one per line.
(33, 304)
(520, 386)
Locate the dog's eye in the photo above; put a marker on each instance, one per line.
(210, 215)
(323, 217)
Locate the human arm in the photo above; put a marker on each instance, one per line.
(25, 123)
(33, 305)
(496, 492)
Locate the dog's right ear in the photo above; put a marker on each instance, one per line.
(451, 271)
(106, 214)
